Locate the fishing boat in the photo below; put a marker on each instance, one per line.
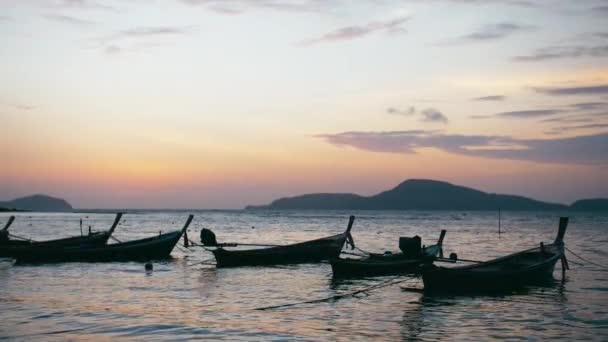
(303, 252)
(411, 262)
(157, 247)
(8, 241)
(532, 266)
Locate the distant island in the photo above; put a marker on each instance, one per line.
(36, 203)
(424, 194)
(594, 204)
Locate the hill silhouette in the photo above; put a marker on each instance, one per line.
(593, 204)
(37, 203)
(415, 194)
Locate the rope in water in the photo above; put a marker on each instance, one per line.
(204, 262)
(383, 284)
(589, 261)
(19, 237)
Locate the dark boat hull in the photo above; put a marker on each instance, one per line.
(492, 275)
(305, 252)
(158, 247)
(379, 266)
(8, 248)
(147, 249)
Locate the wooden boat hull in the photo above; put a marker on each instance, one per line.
(298, 253)
(529, 267)
(9, 247)
(151, 248)
(93, 240)
(443, 279)
(380, 265)
(157, 247)
(305, 252)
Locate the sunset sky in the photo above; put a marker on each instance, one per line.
(220, 104)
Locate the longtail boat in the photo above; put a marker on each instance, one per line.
(303, 252)
(532, 266)
(153, 248)
(387, 264)
(8, 244)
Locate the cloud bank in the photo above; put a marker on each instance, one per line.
(587, 149)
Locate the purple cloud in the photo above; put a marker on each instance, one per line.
(526, 114)
(490, 98)
(359, 31)
(601, 89)
(490, 32)
(574, 150)
(433, 115)
(405, 112)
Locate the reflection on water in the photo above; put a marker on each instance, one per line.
(180, 301)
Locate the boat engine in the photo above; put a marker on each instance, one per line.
(208, 237)
(410, 246)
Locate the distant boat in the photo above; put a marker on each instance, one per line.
(8, 244)
(386, 264)
(528, 267)
(157, 247)
(303, 252)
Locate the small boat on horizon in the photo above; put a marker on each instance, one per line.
(529, 267)
(304, 252)
(152, 248)
(409, 261)
(8, 245)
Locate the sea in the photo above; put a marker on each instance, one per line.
(187, 298)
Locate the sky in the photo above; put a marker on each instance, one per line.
(224, 103)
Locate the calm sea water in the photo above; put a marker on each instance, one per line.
(177, 301)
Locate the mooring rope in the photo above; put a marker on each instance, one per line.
(204, 262)
(383, 284)
(589, 261)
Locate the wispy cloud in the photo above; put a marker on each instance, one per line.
(155, 31)
(565, 129)
(241, 6)
(433, 115)
(601, 10)
(601, 89)
(18, 106)
(359, 31)
(587, 106)
(405, 112)
(490, 32)
(490, 98)
(426, 115)
(521, 114)
(66, 19)
(139, 38)
(556, 52)
(83, 4)
(527, 114)
(569, 119)
(573, 150)
(592, 44)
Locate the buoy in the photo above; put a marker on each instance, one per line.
(149, 266)
(453, 256)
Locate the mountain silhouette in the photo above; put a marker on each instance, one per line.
(415, 194)
(593, 204)
(37, 203)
